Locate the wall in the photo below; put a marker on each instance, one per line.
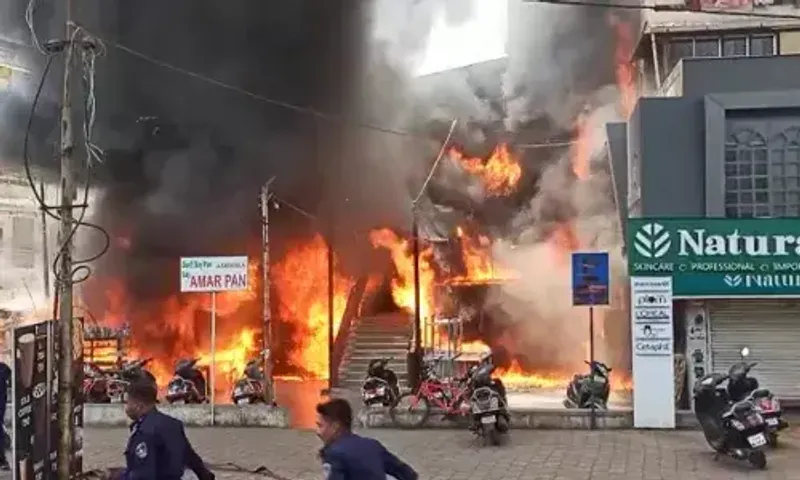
(702, 76)
(666, 136)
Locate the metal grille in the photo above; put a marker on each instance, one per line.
(762, 178)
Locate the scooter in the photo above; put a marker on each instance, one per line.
(130, 371)
(380, 386)
(592, 389)
(487, 403)
(743, 387)
(249, 389)
(736, 429)
(98, 386)
(188, 385)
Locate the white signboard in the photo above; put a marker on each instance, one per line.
(653, 344)
(213, 274)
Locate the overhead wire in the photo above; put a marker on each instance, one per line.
(89, 51)
(30, 9)
(337, 118)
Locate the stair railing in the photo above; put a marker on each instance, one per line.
(343, 335)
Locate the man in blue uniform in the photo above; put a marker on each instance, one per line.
(347, 456)
(157, 448)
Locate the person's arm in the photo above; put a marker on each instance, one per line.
(395, 467)
(334, 466)
(143, 460)
(193, 460)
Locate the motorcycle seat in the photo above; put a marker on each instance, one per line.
(760, 393)
(737, 409)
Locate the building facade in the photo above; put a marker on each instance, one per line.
(711, 174)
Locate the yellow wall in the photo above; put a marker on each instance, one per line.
(789, 43)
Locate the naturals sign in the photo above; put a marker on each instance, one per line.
(718, 256)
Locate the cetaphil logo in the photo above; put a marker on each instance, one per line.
(652, 240)
(732, 281)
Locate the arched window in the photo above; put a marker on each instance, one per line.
(747, 186)
(784, 169)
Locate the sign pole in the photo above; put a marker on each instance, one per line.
(593, 412)
(12, 360)
(212, 373)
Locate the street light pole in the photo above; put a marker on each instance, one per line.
(269, 387)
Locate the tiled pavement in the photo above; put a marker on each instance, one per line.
(451, 454)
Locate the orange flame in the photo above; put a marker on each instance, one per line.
(478, 263)
(500, 173)
(178, 327)
(581, 152)
(301, 280)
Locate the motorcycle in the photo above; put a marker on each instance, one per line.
(488, 404)
(590, 390)
(187, 385)
(98, 386)
(736, 429)
(743, 387)
(380, 386)
(249, 389)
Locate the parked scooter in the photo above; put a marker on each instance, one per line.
(488, 403)
(98, 386)
(380, 386)
(249, 389)
(188, 385)
(743, 387)
(736, 429)
(590, 389)
(131, 371)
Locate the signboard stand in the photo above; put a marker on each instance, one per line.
(590, 284)
(213, 275)
(213, 373)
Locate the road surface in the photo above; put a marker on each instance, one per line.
(450, 454)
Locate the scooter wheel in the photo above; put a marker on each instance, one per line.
(758, 459)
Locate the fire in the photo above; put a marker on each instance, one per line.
(500, 173)
(403, 282)
(624, 68)
(301, 281)
(478, 263)
(178, 326)
(581, 152)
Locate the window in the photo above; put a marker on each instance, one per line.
(734, 46)
(22, 242)
(747, 192)
(706, 47)
(759, 45)
(762, 46)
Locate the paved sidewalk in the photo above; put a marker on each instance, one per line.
(452, 455)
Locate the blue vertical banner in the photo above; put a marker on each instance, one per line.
(590, 279)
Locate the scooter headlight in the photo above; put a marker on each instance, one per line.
(737, 425)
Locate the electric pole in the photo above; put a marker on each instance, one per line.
(64, 277)
(269, 390)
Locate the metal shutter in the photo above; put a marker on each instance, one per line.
(771, 329)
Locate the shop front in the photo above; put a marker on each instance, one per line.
(735, 284)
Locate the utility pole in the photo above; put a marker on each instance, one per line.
(269, 389)
(45, 246)
(64, 278)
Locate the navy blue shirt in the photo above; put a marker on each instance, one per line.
(159, 450)
(351, 457)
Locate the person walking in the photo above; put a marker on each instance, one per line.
(347, 456)
(157, 448)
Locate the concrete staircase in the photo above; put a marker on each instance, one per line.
(377, 336)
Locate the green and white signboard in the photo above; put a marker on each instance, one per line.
(718, 257)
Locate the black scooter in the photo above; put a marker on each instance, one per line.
(132, 371)
(736, 429)
(488, 403)
(590, 389)
(249, 389)
(380, 386)
(741, 386)
(188, 385)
